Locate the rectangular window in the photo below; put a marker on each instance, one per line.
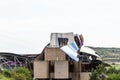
(86, 67)
(62, 41)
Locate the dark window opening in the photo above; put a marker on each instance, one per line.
(62, 41)
(71, 66)
(86, 67)
(84, 58)
(51, 67)
(77, 41)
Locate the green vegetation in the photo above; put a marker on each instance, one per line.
(110, 54)
(99, 73)
(16, 74)
(116, 66)
(102, 73)
(2, 77)
(113, 73)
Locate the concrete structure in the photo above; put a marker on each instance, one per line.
(56, 63)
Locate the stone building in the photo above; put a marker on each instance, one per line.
(65, 58)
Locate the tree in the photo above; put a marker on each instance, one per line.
(99, 73)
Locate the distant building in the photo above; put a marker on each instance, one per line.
(11, 60)
(65, 58)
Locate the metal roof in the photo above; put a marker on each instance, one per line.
(71, 50)
(11, 55)
(88, 50)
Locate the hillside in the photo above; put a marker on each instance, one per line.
(108, 54)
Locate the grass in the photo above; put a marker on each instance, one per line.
(2, 77)
(116, 66)
(111, 58)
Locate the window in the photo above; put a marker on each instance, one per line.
(86, 67)
(62, 41)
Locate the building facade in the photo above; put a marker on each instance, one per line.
(65, 58)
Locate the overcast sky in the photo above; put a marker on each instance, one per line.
(26, 25)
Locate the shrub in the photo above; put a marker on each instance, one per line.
(7, 73)
(113, 73)
(93, 75)
(22, 72)
(112, 70)
(99, 73)
(2, 77)
(113, 77)
(19, 77)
